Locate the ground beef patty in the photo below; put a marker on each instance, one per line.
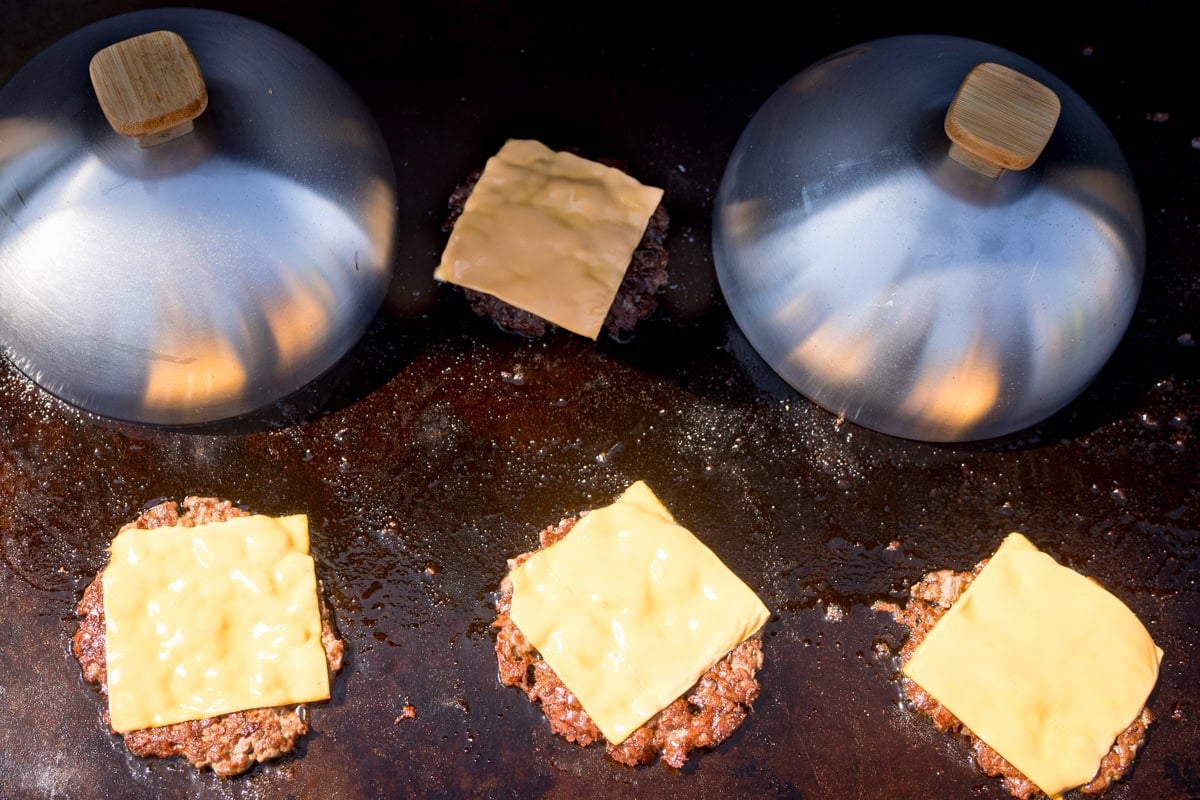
(929, 599)
(703, 717)
(229, 743)
(636, 298)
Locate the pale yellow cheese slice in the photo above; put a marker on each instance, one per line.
(630, 609)
(1041, 663)
(211, 619)
(550, 233)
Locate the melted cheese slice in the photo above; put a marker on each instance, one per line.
(211, 619)
(1041, 663)
(630, 609)
(550, 233)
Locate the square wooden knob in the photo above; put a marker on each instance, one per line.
(149, 87)
(1000, 119)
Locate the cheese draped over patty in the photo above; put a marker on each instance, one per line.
(629, 609)
(1041, 663)
(211, 619)
(550, 233)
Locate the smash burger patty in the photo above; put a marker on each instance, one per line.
(637, 296)
(706, 715)
(929, 599)
(229, 743)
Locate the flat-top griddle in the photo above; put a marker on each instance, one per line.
(442, 445)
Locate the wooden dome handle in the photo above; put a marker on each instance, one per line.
(149, 87)
(1000, 119)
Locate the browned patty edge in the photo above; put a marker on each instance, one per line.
(929, 599)
(704, 717)
(229, 744)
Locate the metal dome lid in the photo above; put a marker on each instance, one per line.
(165, 270)
(893, 240)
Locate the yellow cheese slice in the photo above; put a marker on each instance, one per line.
(1041, 663)
(630, 609)
(211, 619)
(550, 233)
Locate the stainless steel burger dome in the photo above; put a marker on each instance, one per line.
(900, 266)
(169, 277)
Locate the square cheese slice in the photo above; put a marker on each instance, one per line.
(1041, 663)
(550, 233)
(211, 619)
(630, 609)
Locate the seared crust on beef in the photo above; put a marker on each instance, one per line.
(929, 599)
(229, 743)
(702, 718)
(636, 298)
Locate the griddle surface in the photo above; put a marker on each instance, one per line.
(442, 445)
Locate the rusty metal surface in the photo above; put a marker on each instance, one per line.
(442, 445)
